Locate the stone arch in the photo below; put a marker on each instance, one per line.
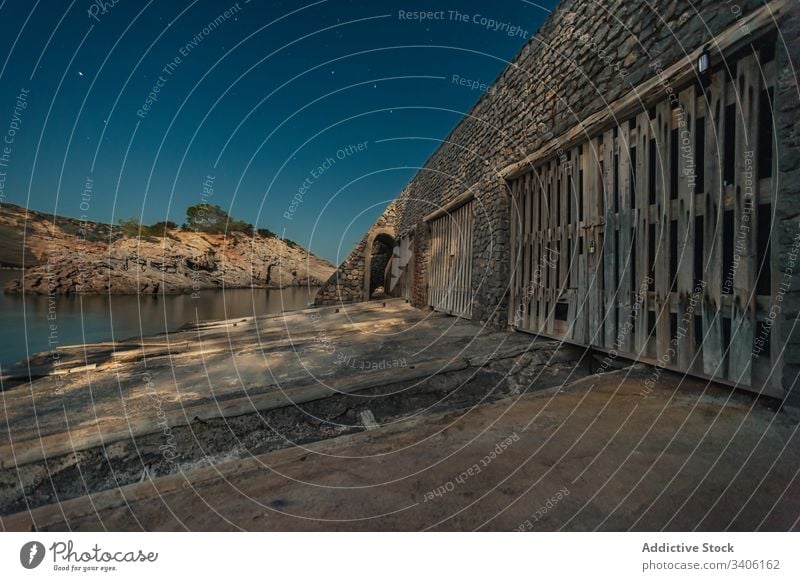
(385, 237)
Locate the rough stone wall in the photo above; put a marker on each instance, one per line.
(585, 56)
(346, 285)
(786, 230)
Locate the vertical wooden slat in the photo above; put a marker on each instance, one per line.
(455, 263)
(582, 294)
(777, 345)
(563, 221)
(514, 296)
(561, 237)
(542, 273)
(452, 266)
(541, 298)
(431, 276)
(435, 264)
(431, 267)
(625, 254)
(441, 265)
(552, 237)
(470, 230)
(452, 263)
(592, 213)
(609, 246)
(527, 240)
(575, 312)
(437, 267)
(663, 282)
(532, 288)
(531, 292)
(713, 359)
(686, 212)
(411, 270)
(462, 262)
(642, 248)
(743, 314)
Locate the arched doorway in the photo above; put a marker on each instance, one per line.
(378, 264)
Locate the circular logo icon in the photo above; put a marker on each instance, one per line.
(31, 554)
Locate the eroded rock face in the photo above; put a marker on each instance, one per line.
(70, 257)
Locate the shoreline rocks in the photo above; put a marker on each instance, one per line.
(59, 261)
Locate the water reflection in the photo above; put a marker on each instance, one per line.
(27, 322)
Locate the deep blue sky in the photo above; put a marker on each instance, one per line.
(258, 103)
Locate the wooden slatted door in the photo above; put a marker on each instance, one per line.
(450, 266)
(557, 235)
(652, 239)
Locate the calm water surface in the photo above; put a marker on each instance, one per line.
(91, 318)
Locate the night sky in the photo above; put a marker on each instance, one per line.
(252, 102)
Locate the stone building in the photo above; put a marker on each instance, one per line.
(630, 183)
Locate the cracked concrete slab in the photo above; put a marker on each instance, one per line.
(594, 455)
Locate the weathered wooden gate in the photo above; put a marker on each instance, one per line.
(450, 266)
(651, 239)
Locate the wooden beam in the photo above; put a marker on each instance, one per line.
(663, 134)
(626, 256)
(713, 352)
(592, 213)
(451, 206)
(744, 31)
(745, 222)
(686, 268)
(610, 254)
(642, 246)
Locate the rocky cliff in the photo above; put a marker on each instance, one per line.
(63, 255)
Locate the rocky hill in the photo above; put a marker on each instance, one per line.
(64, 255)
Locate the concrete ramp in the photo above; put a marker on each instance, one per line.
(111, 414)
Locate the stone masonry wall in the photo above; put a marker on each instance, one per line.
(585, 56)
(786, 230)
(346, 285)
